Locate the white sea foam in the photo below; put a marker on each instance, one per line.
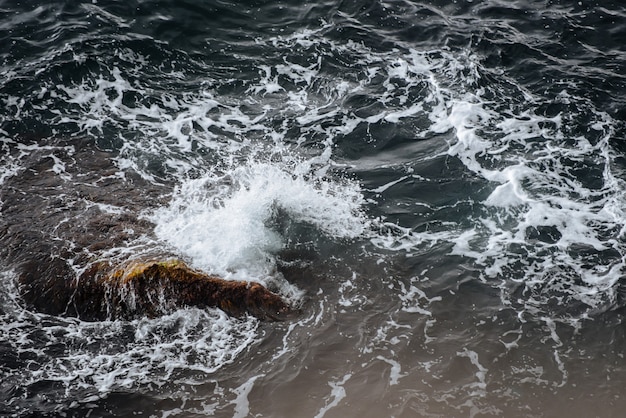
(337, 393)
(395, 373)
(536, 190)
(538, 200)
(480, 385)
(242, 406)
(10, 169)
(224, 222)
(414, 299)
(158, 349)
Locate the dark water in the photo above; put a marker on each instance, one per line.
(438, 186)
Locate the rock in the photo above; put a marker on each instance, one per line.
(53, 225)
(142, 288)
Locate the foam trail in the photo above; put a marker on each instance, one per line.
(338, 392)
(395, 372)
(242, 405)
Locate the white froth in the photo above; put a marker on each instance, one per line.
(8, 170)
(511, 192)
(537, 200)
(481, 371)
(338, 392)
(268, 83)
(413, 298)
(395, 372)
(224, 223)
(242, 405)
(191, 339)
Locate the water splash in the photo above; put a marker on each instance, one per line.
(226, 222)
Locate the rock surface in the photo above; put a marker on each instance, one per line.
(142, 288)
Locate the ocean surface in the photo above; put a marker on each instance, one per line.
(439, 188)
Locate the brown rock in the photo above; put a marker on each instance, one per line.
(142, 288)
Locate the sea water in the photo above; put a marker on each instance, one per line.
(437, 188)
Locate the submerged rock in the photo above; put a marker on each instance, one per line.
(141, 288)
(57, 218)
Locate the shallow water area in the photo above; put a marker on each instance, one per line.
(436, 187)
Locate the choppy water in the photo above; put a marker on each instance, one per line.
(439, 186)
